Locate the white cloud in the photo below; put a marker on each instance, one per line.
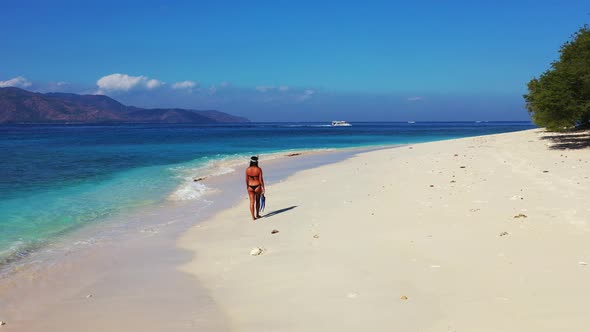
(152, 84)
(283, 88)
(184, 85)
(119, 82)
(124, 82)
(417, 98)
(19, 82)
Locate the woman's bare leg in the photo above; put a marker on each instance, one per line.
(252, 196)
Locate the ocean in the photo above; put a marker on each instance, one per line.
(55, 179)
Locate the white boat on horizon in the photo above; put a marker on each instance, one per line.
(340, 124)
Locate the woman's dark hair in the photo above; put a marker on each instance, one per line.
(253, 161)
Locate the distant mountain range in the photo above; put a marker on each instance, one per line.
(22, 106)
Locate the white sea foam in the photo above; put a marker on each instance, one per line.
(191, 188)
(188, 191)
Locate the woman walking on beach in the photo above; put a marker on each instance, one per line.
(255, 186)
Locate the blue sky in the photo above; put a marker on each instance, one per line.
(292, 60)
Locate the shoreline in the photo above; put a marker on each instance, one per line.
(483, 233)
(47, 287)
(212, 171)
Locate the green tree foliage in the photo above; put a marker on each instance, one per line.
(560, 98)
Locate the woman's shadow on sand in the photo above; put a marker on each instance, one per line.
(275, 212)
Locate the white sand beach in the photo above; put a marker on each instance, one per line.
(488, 233)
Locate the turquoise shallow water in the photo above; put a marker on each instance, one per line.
(55, 179)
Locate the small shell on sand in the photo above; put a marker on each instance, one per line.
(520, 215)
(256, 251)
(317, 236)
(2, 322)
(274, 231)
(403, 297)
(352, 295)
(582, 263)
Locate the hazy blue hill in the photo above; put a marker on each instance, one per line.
(174, 115)
(22, 106)
(99, 101)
